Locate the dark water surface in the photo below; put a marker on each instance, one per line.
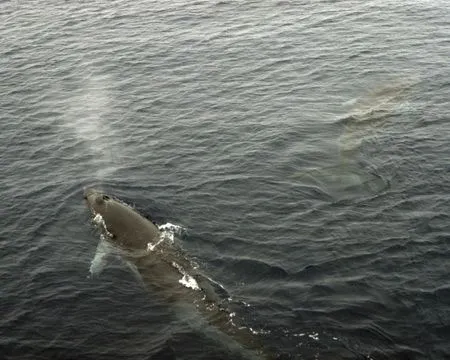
(303, 147)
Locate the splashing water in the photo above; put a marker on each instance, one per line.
(169, 231)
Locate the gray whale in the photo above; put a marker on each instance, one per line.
(166, 271)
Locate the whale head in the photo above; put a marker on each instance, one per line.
(120, 222)
(96, 200)
(105, 210)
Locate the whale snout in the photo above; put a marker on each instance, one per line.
(89, 192)
(93, 199)
(97, 201)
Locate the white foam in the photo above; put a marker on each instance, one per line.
(259, 332)
(167, 234)
(99, 221)
(215, 282)
(313, 335)
(170, 227)
(151, 247)
(170, 236)
(169, 231)
(187, 280)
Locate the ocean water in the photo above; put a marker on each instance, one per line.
(301, 146)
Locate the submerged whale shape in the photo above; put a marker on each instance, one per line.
(165, 270)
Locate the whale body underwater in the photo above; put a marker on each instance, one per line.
(165, 270)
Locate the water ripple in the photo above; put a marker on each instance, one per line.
(303, 145)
